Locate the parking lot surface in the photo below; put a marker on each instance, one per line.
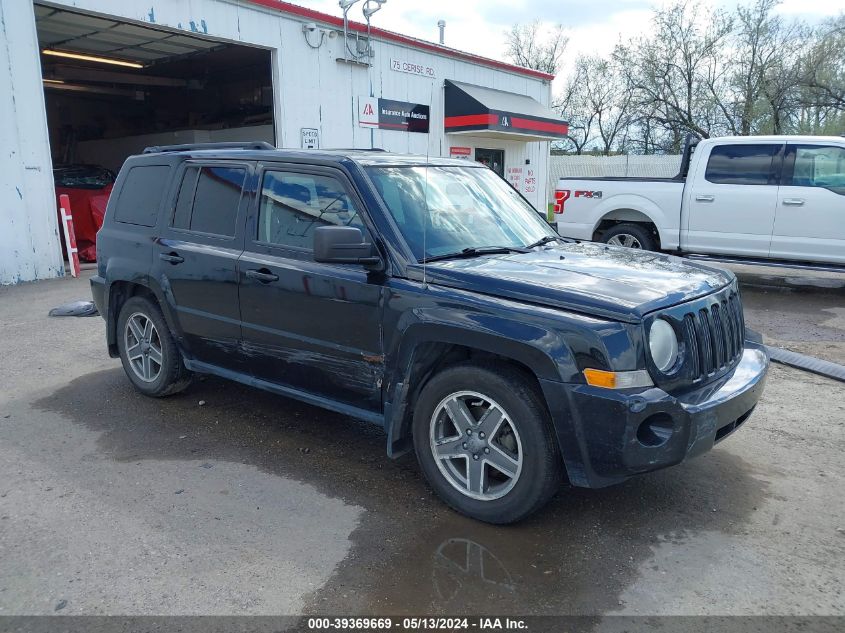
(228, 500)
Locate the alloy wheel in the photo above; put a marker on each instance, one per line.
(476, 445)
(626, 240)
(143, 347)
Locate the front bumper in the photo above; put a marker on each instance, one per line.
(608, 436)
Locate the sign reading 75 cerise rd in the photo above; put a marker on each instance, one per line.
(403, 66)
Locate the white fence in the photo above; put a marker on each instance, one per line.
(664, 166)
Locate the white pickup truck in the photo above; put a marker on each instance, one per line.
(751, 197)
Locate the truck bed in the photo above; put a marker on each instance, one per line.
(591, 203)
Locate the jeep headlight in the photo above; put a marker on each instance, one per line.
(663, 345)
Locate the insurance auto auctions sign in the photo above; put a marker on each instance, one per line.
(387, 114)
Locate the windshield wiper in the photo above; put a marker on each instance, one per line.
(546, 240)
(475, 251)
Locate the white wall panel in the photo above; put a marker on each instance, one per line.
(29, 242)
(312, 89)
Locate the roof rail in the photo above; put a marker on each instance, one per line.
(355, 149)
(155, 149)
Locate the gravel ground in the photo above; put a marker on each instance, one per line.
(112, 503)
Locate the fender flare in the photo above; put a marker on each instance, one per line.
(635, 203)
(160, 294)
(545, 365)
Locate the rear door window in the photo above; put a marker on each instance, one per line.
(141, 194)
(209, 199)
(741, 164)
(818, 166)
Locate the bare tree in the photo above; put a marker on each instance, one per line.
(677, 70)
(764, 68)
(573, 106)
(824, 65)
(610, 96)
(707, 72)
(530, 47)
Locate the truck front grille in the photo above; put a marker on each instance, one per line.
(714, 335)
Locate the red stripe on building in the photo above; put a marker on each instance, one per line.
(471, 119)
(318, 16)
(517, 123)
(540, 126)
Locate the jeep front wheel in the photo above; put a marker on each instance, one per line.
(485, 444)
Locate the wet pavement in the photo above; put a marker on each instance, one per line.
(250, 503)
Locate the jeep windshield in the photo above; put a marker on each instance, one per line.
(445, 212)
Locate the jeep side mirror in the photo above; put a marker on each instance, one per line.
(343, 245)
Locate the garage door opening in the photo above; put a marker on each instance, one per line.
(113, 88)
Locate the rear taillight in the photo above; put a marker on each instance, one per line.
(561, 196)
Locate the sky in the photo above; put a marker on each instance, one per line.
(593, 26)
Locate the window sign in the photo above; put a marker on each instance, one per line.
(529, 182)
(514, 176)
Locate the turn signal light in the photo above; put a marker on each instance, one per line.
(618, 379)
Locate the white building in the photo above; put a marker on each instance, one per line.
(93, 81)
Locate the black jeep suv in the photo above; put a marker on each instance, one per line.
(428, 297)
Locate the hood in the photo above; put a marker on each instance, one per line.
(595, 279)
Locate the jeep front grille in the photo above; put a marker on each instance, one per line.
(714, 335)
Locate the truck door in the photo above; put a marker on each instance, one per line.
(810, 216)
(309, 326)
(731, 199)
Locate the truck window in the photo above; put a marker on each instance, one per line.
(141, 194)
(216, 195)
(740, 164)
(817, 166)
(294, 204)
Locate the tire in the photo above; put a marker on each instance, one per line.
(630, 236)
(142, 338)
(525, 433)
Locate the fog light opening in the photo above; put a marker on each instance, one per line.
(655, 430)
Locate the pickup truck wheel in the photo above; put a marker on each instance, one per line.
(630, 236)
(149, 354)
(485, 444)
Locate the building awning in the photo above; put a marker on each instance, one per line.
(487, 112)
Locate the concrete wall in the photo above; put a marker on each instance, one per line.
(29, 239)
(312, 90)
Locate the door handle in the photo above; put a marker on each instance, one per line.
(263, 275)
(705, 198)
(793, 202)
(173, 258)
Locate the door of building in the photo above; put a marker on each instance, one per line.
(492, 158)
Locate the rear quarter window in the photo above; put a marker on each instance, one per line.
(141, 194)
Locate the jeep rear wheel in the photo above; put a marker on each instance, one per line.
(149, 354)
(485, 444)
